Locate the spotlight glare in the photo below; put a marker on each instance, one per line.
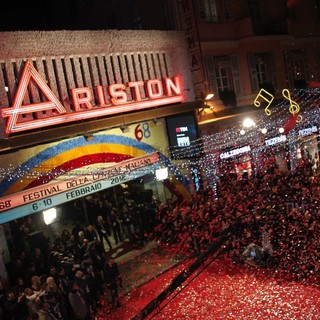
(248, 123)
(49, 215)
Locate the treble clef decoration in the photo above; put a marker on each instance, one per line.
(294, 107)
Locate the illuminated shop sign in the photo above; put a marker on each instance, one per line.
(87, 183)
(275, 140)
(307, 131)
(234, 152)
(112, 99)
(183, 138)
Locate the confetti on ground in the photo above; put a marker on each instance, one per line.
(225, 291)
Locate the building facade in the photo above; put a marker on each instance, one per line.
(83, 111)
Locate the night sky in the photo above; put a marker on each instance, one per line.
(82, 15)
(55, 15)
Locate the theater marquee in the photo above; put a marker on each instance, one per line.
(113, 99)
(42, 197)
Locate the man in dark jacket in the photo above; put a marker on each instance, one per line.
(103, 229)
(113, 280)
(15, 307)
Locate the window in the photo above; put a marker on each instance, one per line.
(297, 68)
(208, 11)
(223, 74)
(223, 82)
(262, 71)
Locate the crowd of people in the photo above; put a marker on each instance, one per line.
(276, 215)
(59, 285)
(276, 212)
(69, 277)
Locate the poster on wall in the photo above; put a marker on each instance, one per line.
(183, 136)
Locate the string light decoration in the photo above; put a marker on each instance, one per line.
(210, 146)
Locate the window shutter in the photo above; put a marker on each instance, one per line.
(236, 74)
(273, 69)
(253, 73)
(211, 73)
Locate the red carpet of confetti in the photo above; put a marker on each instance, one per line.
(225, 291)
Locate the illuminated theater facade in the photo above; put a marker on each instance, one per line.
(83, 111)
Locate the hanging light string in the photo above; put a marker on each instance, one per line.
(204, 152)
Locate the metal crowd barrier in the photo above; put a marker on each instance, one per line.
(203, 260)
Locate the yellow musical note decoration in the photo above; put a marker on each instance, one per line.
(294, 106)
(266, 96)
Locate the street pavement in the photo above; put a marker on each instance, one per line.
(140, 265)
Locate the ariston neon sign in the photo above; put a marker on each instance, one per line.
(157, 92)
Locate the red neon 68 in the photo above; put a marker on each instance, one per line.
(142, 131)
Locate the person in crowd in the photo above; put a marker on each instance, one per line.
(65, 235)
(63, 281)
(39, 261)
(103, 209)
(113, 280)
(115, 224)
(92, 279)
(83, 249)
(127, 222)
(15, 307)
(76, 229)
(103, 229)
(96, 255)
(52, 307)
(20, 286)
(90, 234)
(71, 246)
(77, 299)
(83, 284)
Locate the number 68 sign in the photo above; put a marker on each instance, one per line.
(143, 131)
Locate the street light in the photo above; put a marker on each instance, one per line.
(205, 104)
(209, 96)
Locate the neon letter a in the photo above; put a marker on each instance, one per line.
(29, 72)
